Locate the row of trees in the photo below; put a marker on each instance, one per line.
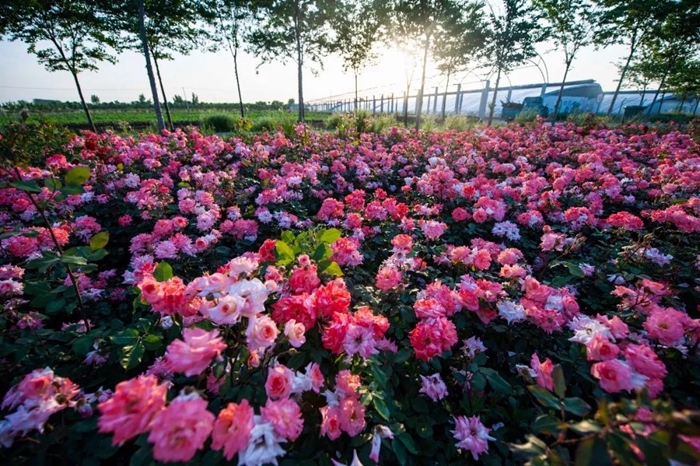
(76, 35)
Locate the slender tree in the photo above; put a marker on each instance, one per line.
(572, 24)
(149, 67)
(511, 37)
(627, 22)
(74, 29)
(158, 29)
(358, 26)
(675, 41)
(459, 44)
(232, 19)
(418, 22)
(296, 30)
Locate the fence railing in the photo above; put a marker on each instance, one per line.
(475, 102)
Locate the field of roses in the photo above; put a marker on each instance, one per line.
(495, 296)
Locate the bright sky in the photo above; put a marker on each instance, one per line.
(210, 76)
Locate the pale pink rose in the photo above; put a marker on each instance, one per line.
(472, 435)
(388, 278)
(352, 416)
(181, 429)
(193, 355)
(666, 325)
(600, 348)
(543, 371)
(294, 331)
(232, 429)
(227, 310)
(330, 422)
(280, 380)
(133, 407)
(433, 386)
(261, 332)
(313, 372)
(285, 417)
(347, 384)
(616, 375)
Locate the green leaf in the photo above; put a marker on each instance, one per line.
(73, 260)
(288, 237)
(407, 441)
(330, 236)
(399, 451)
(44, 262)
(78, 176)
(381, 408)
(331, 268)
(575, 270)
(533, 446)
(99, 241)
(496, 382)
(543, 396)
(83, 345)
(546, 424)
(72, 189)
(55, 306)
(163, 272)
(131, 356)
(585, 427)
(27, 186)
(323, 251)
(152, 342)
(378, 374)
(559, 381)
(52, 183)
(576, 406)
(284, 253)
(592, 452)
(126, 337)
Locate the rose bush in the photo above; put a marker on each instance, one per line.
(499, 295)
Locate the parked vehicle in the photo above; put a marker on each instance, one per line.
(513, 109)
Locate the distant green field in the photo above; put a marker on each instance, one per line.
(110, 116)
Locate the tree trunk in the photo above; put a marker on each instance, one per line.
(162, 91)
(622, 75)
(493, 100)
(697, 101)
(74, 73)
(238, 83)
(444, 96)
(82, 101)
(354, 108)
(300, 62)
(149, 68)
(419, 100)
(644, 92)
(561, 93)
(661, 85)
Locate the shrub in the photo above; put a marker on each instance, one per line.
(526, 116)
(220, 123)
(456, 122)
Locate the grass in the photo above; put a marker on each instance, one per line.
(110, 116)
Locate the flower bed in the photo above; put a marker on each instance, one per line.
(513, 294)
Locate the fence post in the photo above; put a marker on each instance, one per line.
(381, 107)
(405, 109)
(484, 100)
(392, 103)
(435, 101)
(374, 105)
(457, 102)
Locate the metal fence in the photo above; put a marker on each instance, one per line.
(475, 102)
